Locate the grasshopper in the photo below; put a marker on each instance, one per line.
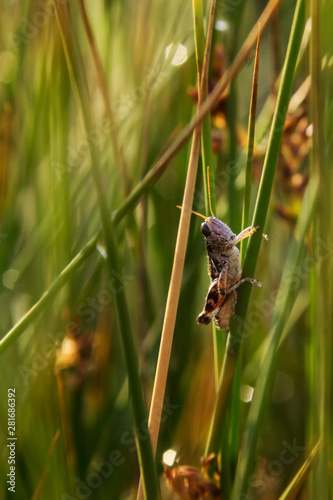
(224, 268)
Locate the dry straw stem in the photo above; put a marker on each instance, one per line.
(66, 428)
(175, 282)
(294, 487)
(147, 182)
(222, 84)
(179, 258)
(40, 486)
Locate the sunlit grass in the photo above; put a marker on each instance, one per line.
(96, 125)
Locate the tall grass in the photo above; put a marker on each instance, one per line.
(100, 140)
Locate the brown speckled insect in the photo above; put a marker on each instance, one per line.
(224, 269)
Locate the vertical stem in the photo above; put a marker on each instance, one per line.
(238, 326)
(321, 100)
(118, 153)
(144, 447)
(250, 147)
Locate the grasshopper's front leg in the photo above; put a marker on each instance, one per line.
(246, 233)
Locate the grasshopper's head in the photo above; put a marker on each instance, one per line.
(218, 235)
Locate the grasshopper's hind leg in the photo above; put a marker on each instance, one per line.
(227, 308)
(240, 282)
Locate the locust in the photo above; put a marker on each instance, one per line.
(224, 268)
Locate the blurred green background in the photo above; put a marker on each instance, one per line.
(72, 404)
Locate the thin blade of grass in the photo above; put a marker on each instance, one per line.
(295, 485)
(144, 185)
(222, 84)
(66, 274)
(206, 136)
(234, 194)
(41, 484)
(271, 158)
(235, 402)
(265, 382)
(237, 324)
(114, 140)
(144, 448)
(202, 55)
(322, 296)
(181, 243)
(250, 147)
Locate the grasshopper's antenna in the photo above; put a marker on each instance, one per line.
(195, 213)
(210, 200)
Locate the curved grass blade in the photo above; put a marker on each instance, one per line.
(181, 244)
(265, 382)
(320, 421)
(295, 485)
(238, 324)
(250, 147)
(235, 402)
(144, 448)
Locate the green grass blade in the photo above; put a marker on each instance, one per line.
(144, 447)
(321, 300)
(114, 139)
(202, 58)
(235, 402)
(265, 382)
(69, 271)
(66, 274)
(237, 324)
(250, 147)
(294, 487)
(271, 158)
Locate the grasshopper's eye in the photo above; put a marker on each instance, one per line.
(205, 229)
